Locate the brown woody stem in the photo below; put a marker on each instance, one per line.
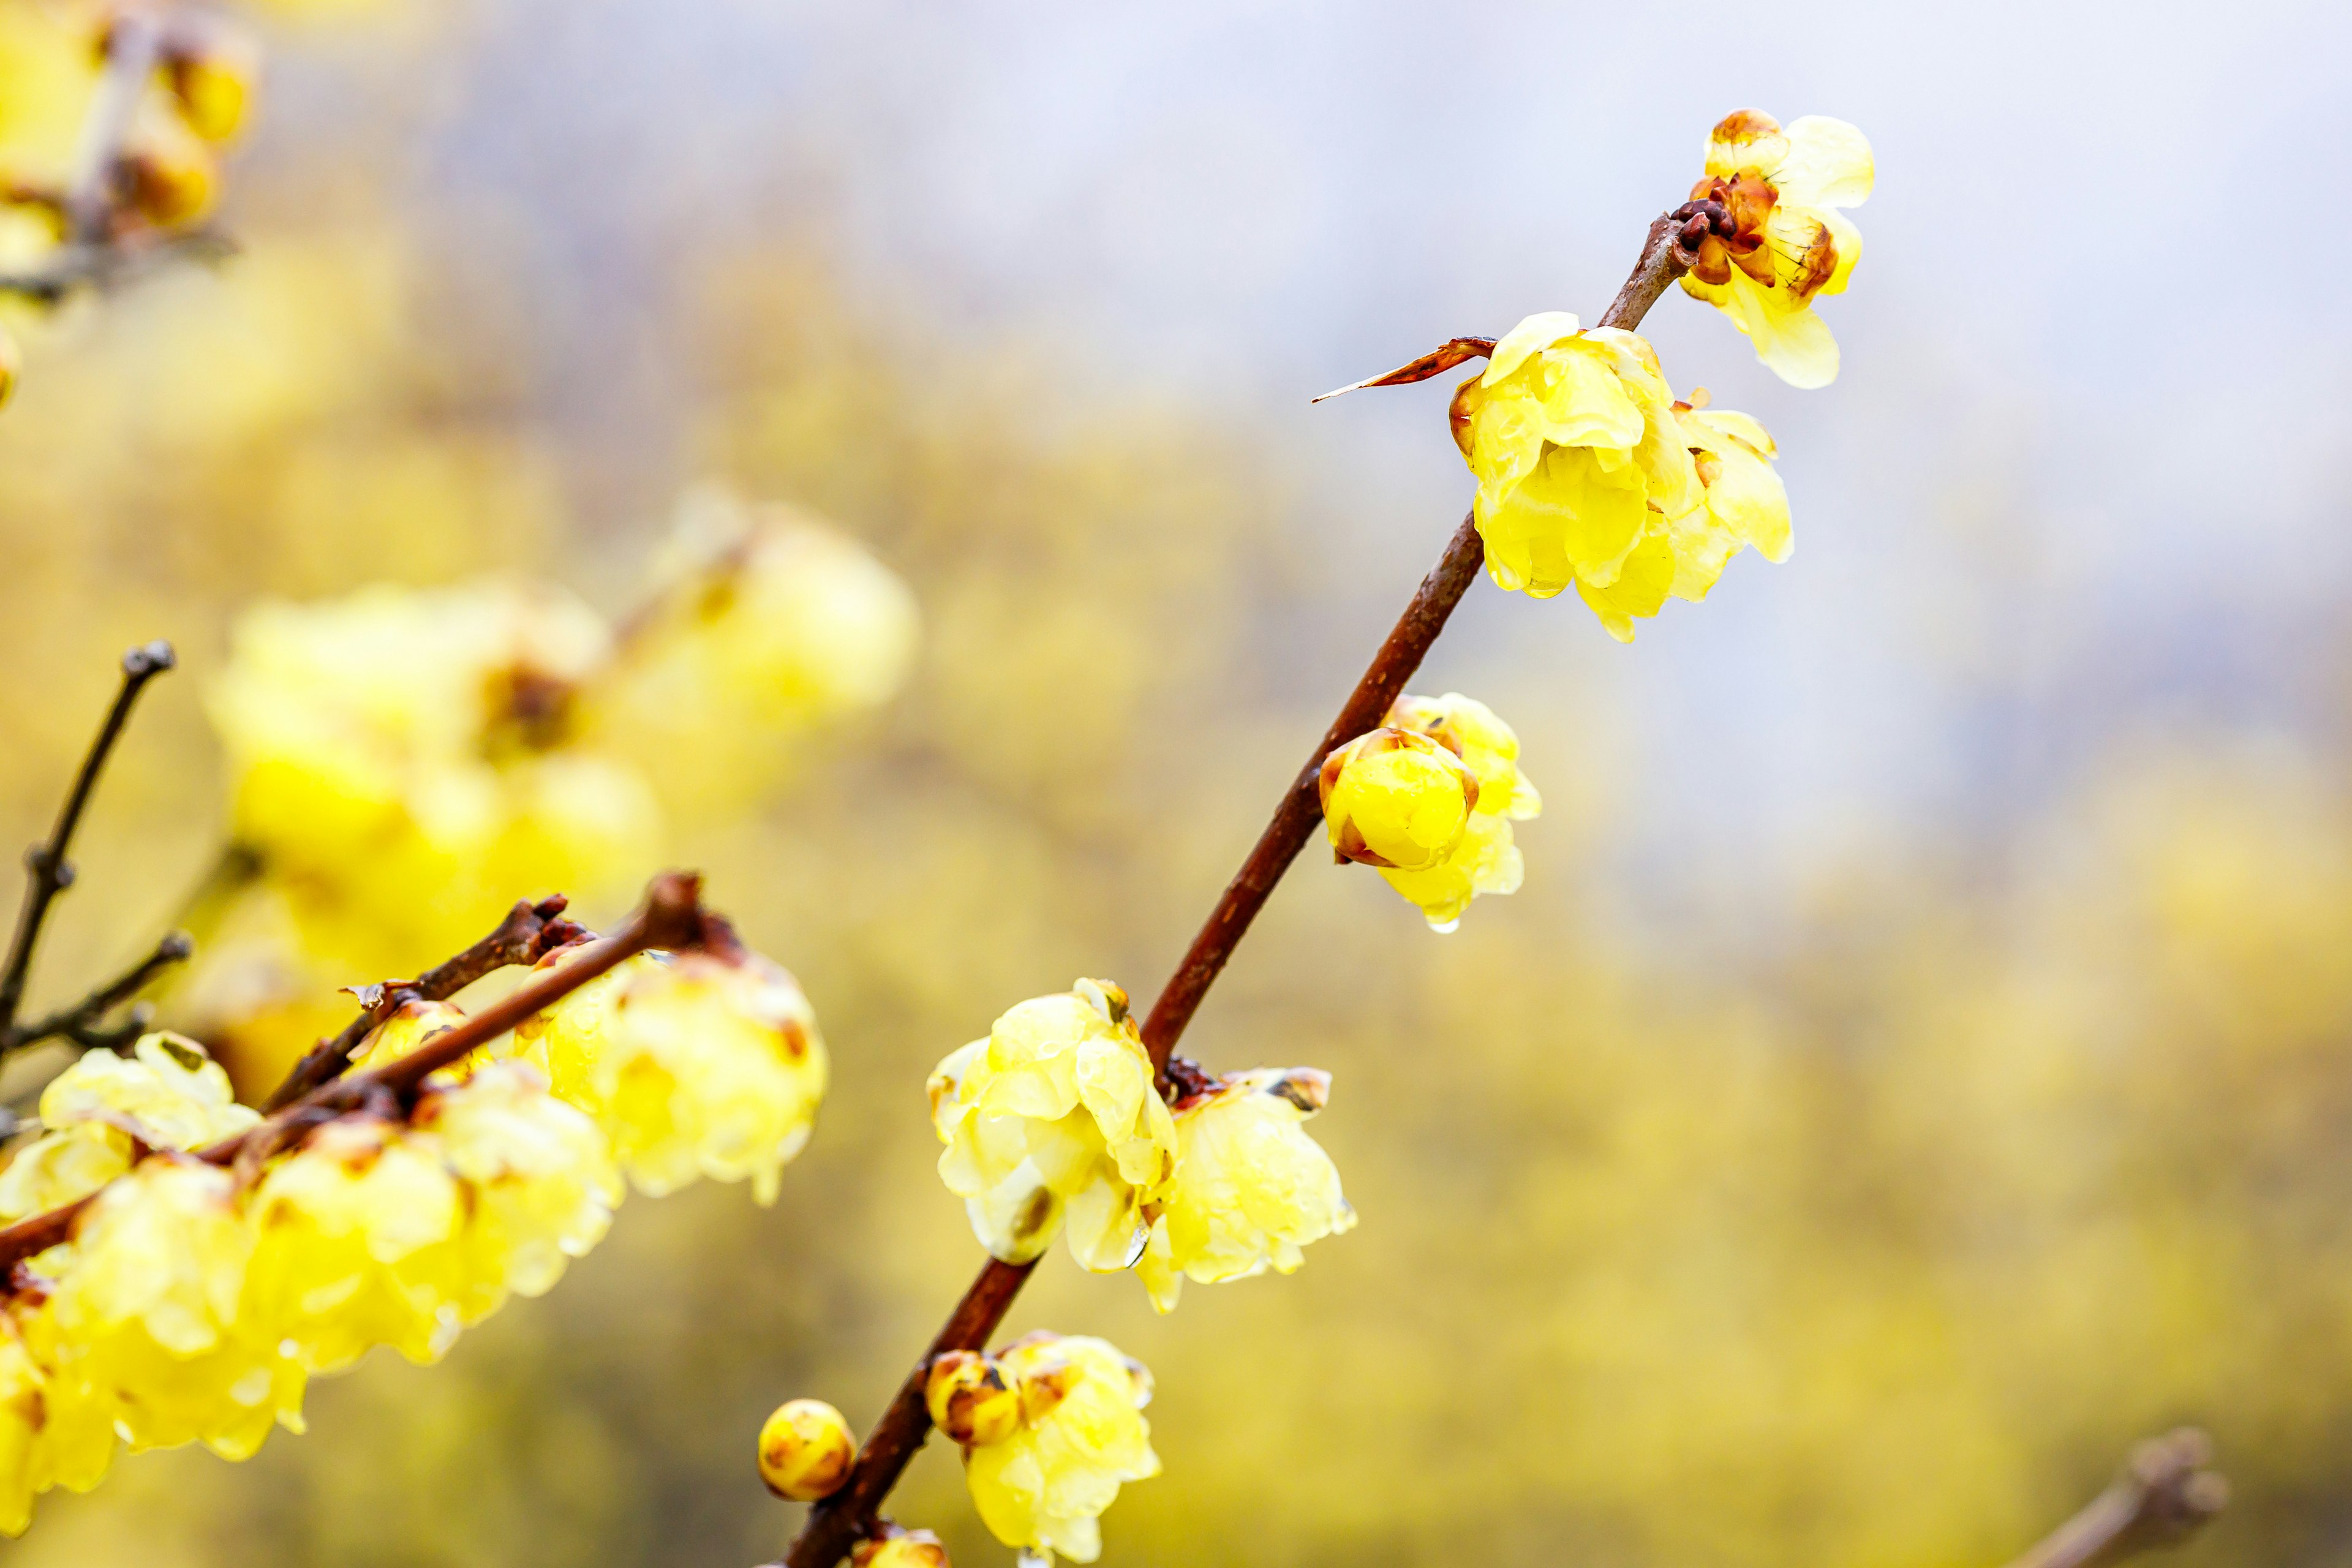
(49, 871)
(849, 1516)
(2164, 1496)
(79, 1022)
(671, 916)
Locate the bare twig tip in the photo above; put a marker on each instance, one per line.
(149, 659)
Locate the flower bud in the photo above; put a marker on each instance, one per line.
(805, 1450)
(212, 80)
(900, 1549)
(1396, 799)
(969, 1400)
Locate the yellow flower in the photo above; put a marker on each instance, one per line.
(359, 1241)
(805, 1450)
(1251, 1189)
(1572, 438)
(1056, 1116)
(899, 1549)
(167, 1094)
(1394, 798)
(1483, 859)
(969, 1398)
(769, 624)
(410, 1025)
(694, 1065)
(148, 1315)
(1082, 1434)
(212, 72)
(1789, 245)
(541, 1186)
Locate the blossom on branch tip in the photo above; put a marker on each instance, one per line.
(1056, 1118)
(1781, 242)
(1395, 798)
(805, 1450)
(695, 1064)
(1251, 1189)
(1043, 1486)
(1591, 475)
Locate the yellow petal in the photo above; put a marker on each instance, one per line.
(1538, 331)
(1828, 163)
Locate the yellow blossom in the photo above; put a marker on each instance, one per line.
(409, 1025)
(900, 1549)
(1789, 245)
(1056, 1116)
(359, 1241)
(49, 1437)
(1590, 473)
(1483, 859)
(1395, 798)
(968, 1399)
(1043, 1486)
(805, 1450)
(768, 622)
(696, 1064)
(167, 1094)
(541, 1186)
(1251, 1189)
(148, 1315)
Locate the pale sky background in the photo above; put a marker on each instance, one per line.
(2074, 485)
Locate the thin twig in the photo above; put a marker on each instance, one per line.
(840, 1521)
(2164, 1496)
(525, 936)
(79, 1022)
(672, 917)
(135, 43)
(48, 872)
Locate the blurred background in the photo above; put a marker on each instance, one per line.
(1920, 1059)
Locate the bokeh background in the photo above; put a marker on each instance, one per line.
(1920, 1060)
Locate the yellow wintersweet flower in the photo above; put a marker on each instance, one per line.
(1483, 859)
(1082, 1434)
(49, 1435)
(1789, 244)
(968, 1399)
(805, 1450)
(1572, 438)
(768, 622)
(167, 1094)
(900, 1548)
(359, 1241)
(1056, 1116)
(1395, 798)
(539, 1179)
(696, 1064)
(1251, 1189)
(148, 1315)
(409, 1025)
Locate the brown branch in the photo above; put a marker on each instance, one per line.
(79, 1022)
(48, 872)
(671, 916)
(838, 1523)
(2164, 1496)
(527, 933)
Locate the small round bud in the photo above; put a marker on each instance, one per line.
(900, 1549)
(806, 1450)
(969, 1400)
(1396, 798)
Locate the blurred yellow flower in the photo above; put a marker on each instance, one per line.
(409, 1025)
(1082, 1434)
(1056, 1116)
(1251, 1189)
(1395, 798)
(900, 1549)
(805, 1450)
(1789, 244)
(697, 1064)
(167, 1094)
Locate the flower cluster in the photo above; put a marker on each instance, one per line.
(192, 1302)
(1591, 473)
(698, 1064)
(1786, 244)
(53, 58)
(1429, 799)
(1052, 1427)
(402, 762)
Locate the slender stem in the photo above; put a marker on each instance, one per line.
(78, 1021)
(48, 873)
(841, 1521)
(2164, 1496)
(527, 934)
(671, 916)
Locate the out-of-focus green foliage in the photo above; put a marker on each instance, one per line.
(1877, 1241)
